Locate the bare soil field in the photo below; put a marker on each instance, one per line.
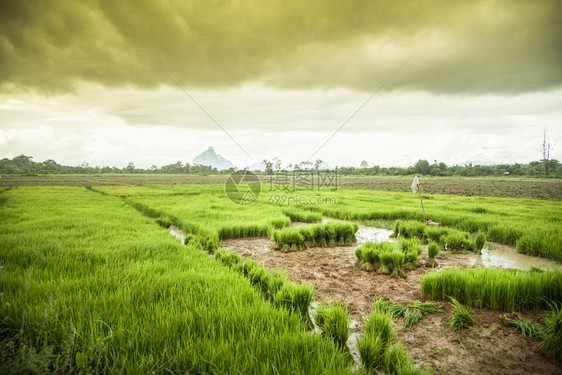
(468, 186)
(549, 189)
(491, 346)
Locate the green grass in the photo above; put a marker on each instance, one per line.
(333, 321)
(91, 285)
(497, 289)
(461, 319)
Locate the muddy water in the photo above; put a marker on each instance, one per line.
(504, 256)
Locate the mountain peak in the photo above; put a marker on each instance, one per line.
(211, 158)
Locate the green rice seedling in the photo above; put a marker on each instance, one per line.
(480, 241)
(461, 319)
(432, 251)
(410, 229)
(395, 359)
(457, 241)
(397, 225)
(295, 298)
(280, 223)
(424, 307)
(164, 222)
(381, 305)
(494, 288)
(368, 255)
(527, 328)
(393, 310)
(329, 234)
(435, 233)
(411, 317)
(243, 231)
(396, 311)
(377, 334)
(228, 258)
(412, 250)
(397, 362)
(259, 277)
(552, 340)
(276, 281)
(288, 240)
(333, 321)
(297, 215)
(395, 262)
(371, 351)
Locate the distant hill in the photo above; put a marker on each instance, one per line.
(212, 159)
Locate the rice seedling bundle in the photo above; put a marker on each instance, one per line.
(432, 251)
(527, 328)
(329, 234)
(377, 334)
(333, 321)
(397, 362)
(461, 319)
(480, 241)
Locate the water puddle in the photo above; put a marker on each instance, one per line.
(370, 234)
(505, 256)
(177, 232)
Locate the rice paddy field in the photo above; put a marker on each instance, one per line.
(93, 282)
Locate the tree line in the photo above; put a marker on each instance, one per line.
(25, 165)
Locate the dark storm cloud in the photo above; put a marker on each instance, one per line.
(475, 46)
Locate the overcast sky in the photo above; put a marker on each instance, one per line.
(95, 81)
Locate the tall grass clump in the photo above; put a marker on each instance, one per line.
(497, 289)
(377, 334)
(461, 319)
(552, 339)
(302, 216)
(333, 321)
(480, 241)
(329, 234)
(432, 251)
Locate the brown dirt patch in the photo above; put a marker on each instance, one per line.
(489, 347)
